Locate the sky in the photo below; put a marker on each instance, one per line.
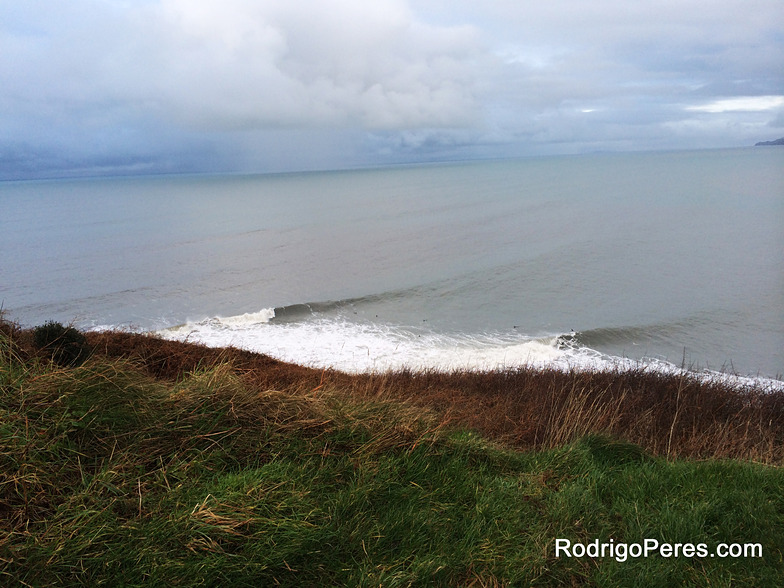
(93, 87)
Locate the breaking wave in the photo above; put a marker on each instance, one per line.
(320, 335)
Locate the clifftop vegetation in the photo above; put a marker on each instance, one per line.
(162, 463)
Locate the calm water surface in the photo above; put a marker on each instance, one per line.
(675, 257)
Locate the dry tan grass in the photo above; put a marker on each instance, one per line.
(670, 415)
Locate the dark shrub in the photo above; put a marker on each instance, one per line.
(65, 345)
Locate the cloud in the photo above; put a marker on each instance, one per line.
(202, 84)
(242, 63)
(741, 104)
(90, 76)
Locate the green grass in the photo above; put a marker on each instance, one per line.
(110, 476)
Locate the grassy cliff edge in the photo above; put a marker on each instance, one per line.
(163, 463)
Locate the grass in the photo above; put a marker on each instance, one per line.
(160, 463)
(529, 409)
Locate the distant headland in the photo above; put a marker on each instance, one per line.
(776, 142)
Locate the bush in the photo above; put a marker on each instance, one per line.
(64, 345)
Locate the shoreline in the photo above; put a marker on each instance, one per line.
(472, 354)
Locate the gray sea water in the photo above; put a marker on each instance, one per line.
(672, 258)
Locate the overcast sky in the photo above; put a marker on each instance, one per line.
(135, 86)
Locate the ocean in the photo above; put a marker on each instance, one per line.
(669, 259)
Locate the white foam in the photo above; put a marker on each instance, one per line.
(249, 318)
(358, 347)
(368, 347)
